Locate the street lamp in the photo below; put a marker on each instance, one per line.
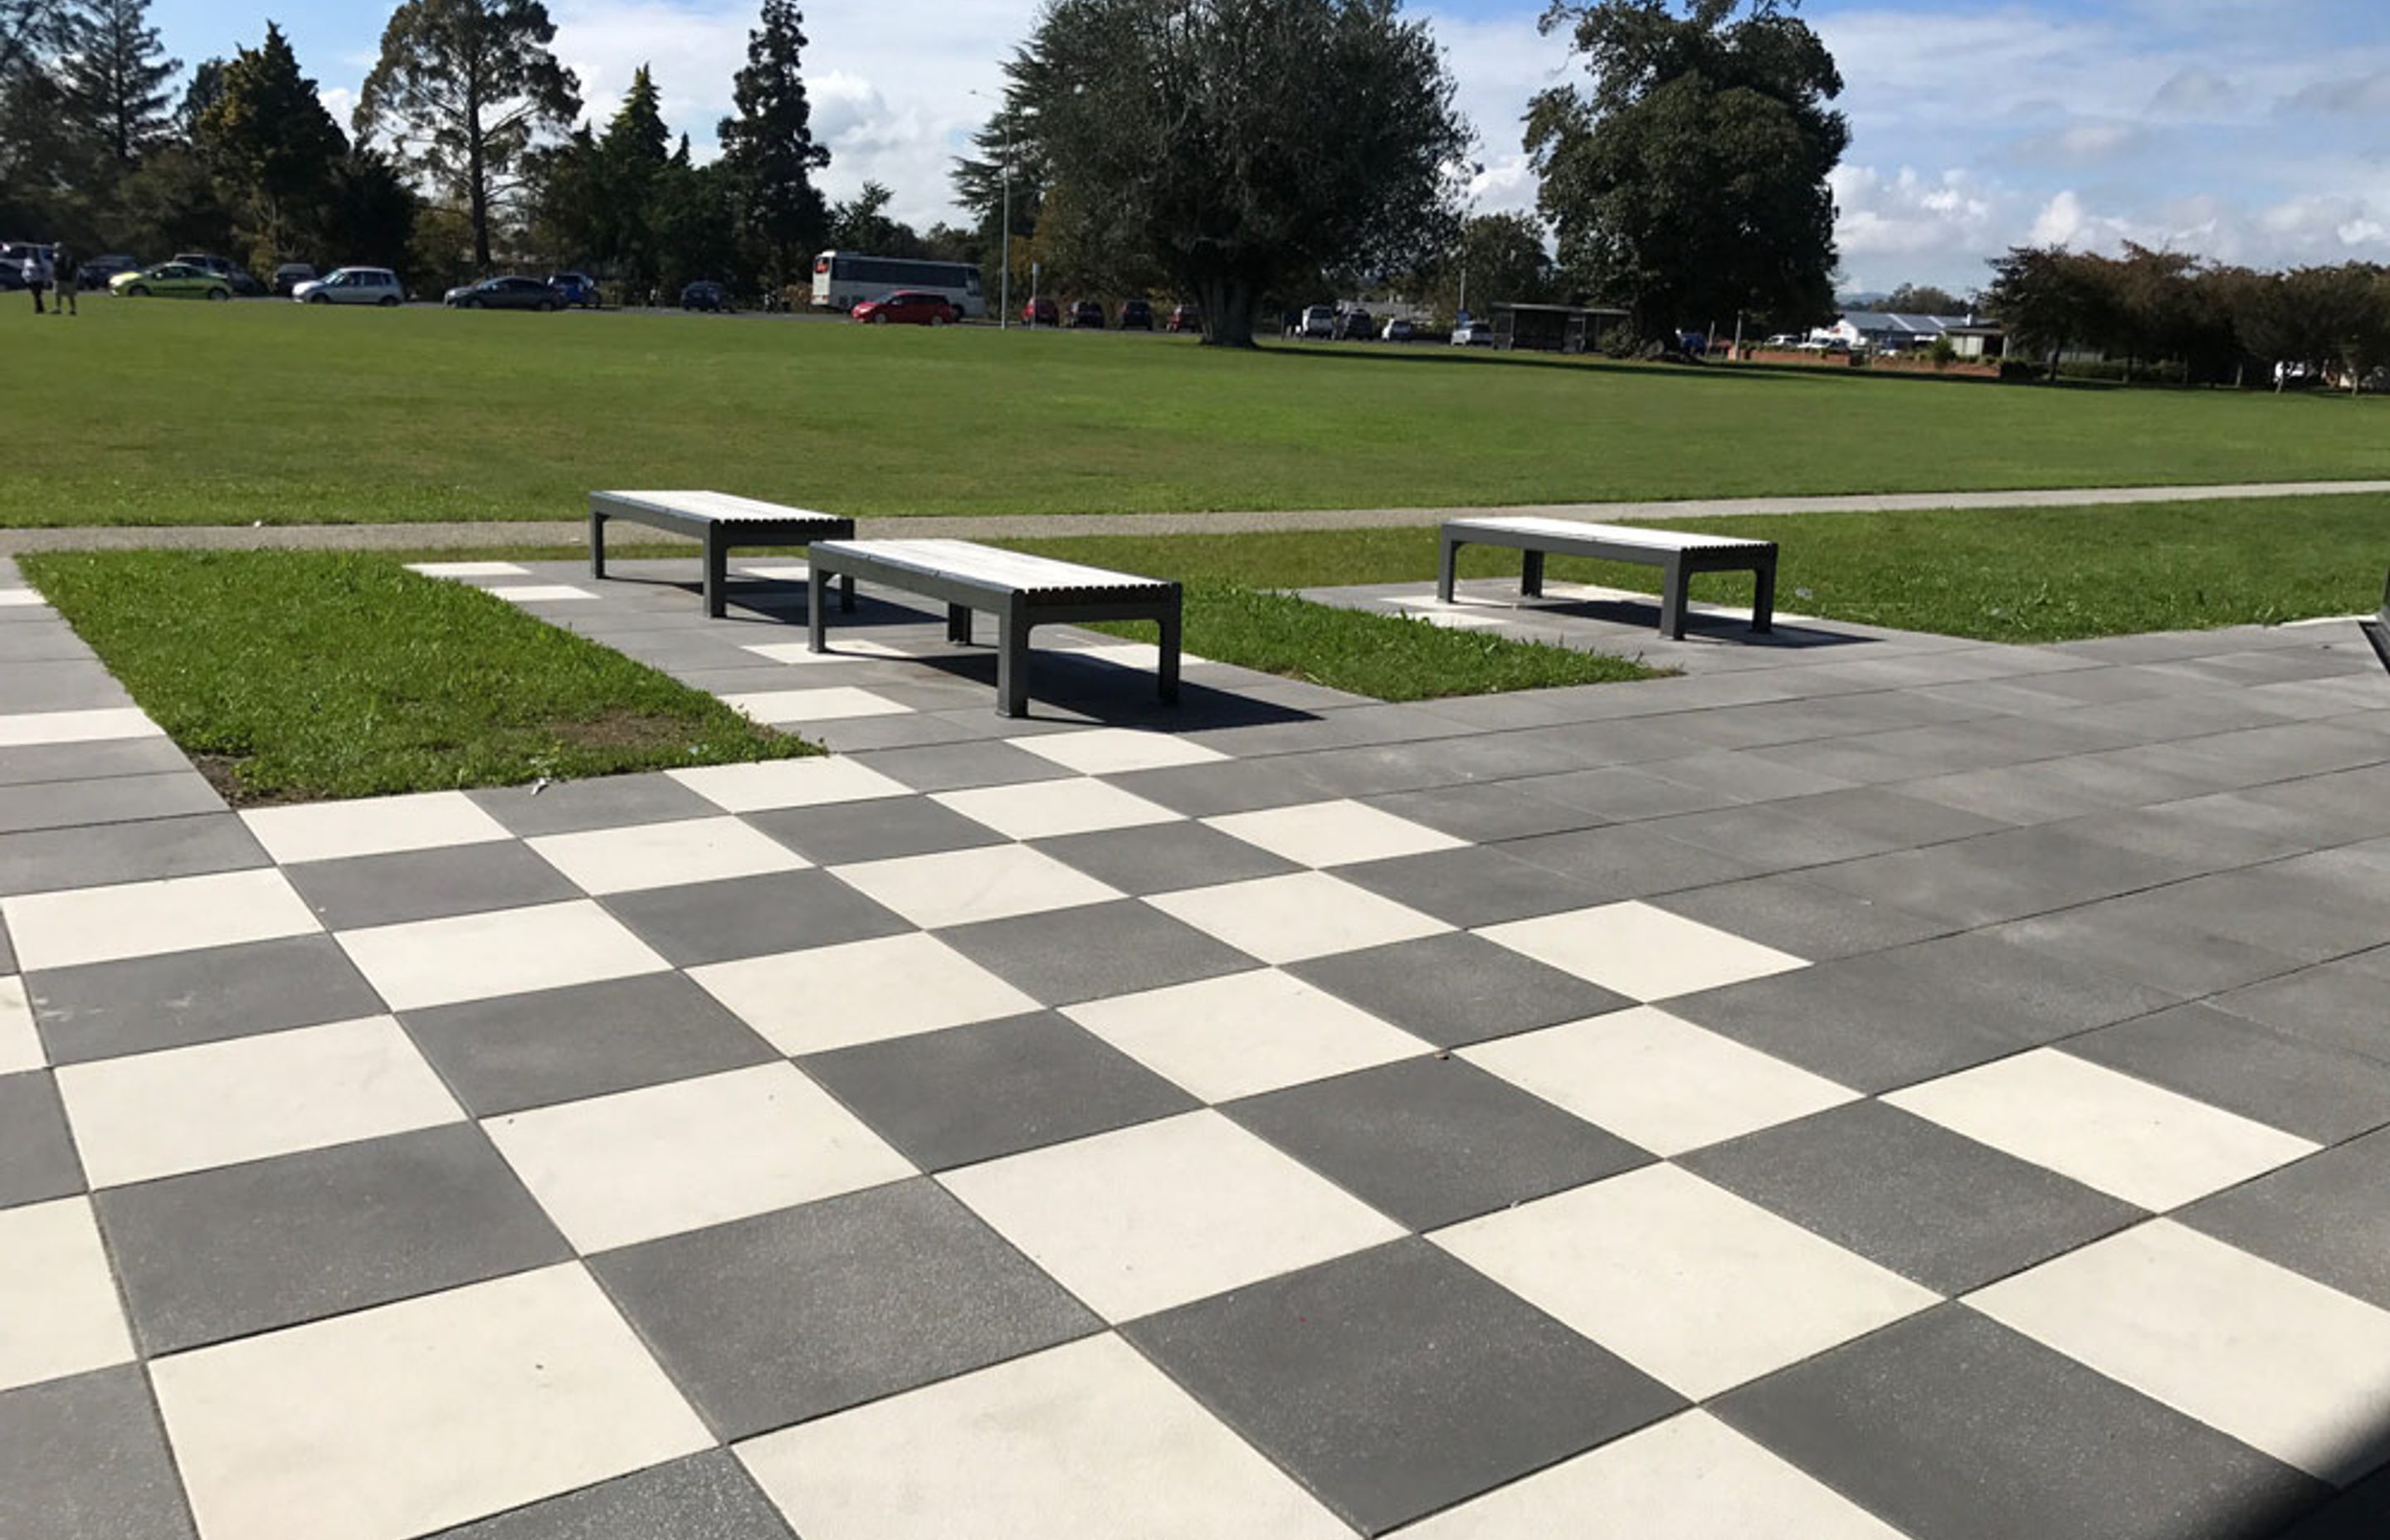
(1004, 275)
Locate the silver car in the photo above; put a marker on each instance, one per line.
(352, 286)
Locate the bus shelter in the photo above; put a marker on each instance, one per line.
(1553, 328)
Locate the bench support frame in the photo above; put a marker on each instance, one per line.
(2377, 630)
(1677, 567)
(720, 538)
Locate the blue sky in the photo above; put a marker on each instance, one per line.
(2252, 130)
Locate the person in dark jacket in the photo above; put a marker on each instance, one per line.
(63, 280)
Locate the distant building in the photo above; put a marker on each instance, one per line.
(1553, 328)
(1888, 332)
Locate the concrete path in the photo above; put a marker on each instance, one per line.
(572, 532)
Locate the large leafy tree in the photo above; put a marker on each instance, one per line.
(768, 154)
(632, 157)
(1239, 145)
(462, 87)
(272, 142)
(116, 74)
(1689, 180)
(1499, 258)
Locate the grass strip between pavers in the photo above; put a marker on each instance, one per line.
(298, 676)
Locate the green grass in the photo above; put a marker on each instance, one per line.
(154, 412)
(2026, 575)
(1385, 656)
(300, 676)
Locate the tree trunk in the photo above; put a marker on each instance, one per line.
(1228, 312)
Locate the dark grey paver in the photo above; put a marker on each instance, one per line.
(1458, 989)
(1930, 1204)
(2323, 1216)
(879, 829)
(1952, 1427)
(1063, 956)
(1398, 1381)
(59, 685)
(97, 855)
(1629, 861)
(113, 800)
(2339, 1004)
(85, 1456)
(2004, 876)
(2306, 914)
(2143, 937)
(38, 1154)
(748, 917)
(789, 1315)
(707, 1497)
(222, 1253)
(1621, 794)
(974, 1093)
(1228, 786)
(959, 766)
(1432, 1141)
(1487, 810)
(608, 802)
(2229, 1061)
(98, 1010)
(1469, 886)
(1792, 914)
(65, 762)
(585, 1040)
(1158, 858)
(426, 884)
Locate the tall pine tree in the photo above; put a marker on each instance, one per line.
(631, 156)
(768, 152)
(270, 138)
(116, 72)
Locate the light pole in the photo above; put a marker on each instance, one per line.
(1004, 275)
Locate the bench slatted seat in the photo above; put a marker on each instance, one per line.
(723, 521)
(1679, 553)
(2377, 630)
(1022, 591)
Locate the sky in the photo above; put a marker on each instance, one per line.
(2250, 130)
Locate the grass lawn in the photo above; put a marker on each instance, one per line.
(150, 412)
(299, 676)
(2027, 575)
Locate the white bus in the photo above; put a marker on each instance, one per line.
(844, 279)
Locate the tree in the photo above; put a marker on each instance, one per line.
(1500, 259)
(461, 87)
(369, 211)
(768, 154)
(632, 155)
(1689, 181)
(205, 85)
(2050, 299)
(861, 223)
(27, 28)
(1233, 147)
(271, 140)
(1924, 299)
(115, 73)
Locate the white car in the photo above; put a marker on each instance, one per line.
(352, 286)
(1473, 334)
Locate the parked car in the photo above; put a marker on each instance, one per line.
(352, 286)
(15, 257)
(705, 294)
(1088, 312)
(578, 289)
(239, 279)
(1693, 344)
(290, 275)
(1317, 321)
(1399, 330)
(1471, 333)
(504, 293)
(1041, 312)
(1185, 318)
(907, 307)
(171, 280)
(1785, 339)
(1135, 315)
(1355, 326)
(96, 272)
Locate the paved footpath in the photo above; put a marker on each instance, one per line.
(552, 531)
(1867, 1085)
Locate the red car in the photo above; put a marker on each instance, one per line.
(907, 307)
(1041, 312)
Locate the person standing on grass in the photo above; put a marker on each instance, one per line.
(62, 280)
(37, 277)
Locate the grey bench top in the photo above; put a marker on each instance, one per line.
(1040, 577)
(1609, 535)
(711, 508)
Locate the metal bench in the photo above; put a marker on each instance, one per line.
(2377, 630)
(724, 522)
(1022, 591)
(1679, 553)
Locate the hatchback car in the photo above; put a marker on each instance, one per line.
(705, 294)
(97, 271)
(578, 289)
(506, 293)
(1473, 334)
(1185, 318)
(352, 286)
(1399, 330)
(907, 307)
(1135, 315)
(171, 280)
(290, 275)
(1088, 312)
(1317, 321)
(1355, 326)
(1041, 312)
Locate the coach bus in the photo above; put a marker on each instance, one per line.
(844, 279)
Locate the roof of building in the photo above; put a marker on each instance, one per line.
(1900, 324)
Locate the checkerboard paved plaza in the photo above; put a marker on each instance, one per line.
(1868, 1086)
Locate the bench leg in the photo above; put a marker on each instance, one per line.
(1444, 565)
(1012, 664)
(1674, 582)
(717, 576)
(958, 624)
(1169, 651)
(1530, 574)
(846, 593)
(1762, 596)
(597, 543)
(817, 616)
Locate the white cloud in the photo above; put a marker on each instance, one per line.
(2193, 92)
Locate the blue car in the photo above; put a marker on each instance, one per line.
(578, 289)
